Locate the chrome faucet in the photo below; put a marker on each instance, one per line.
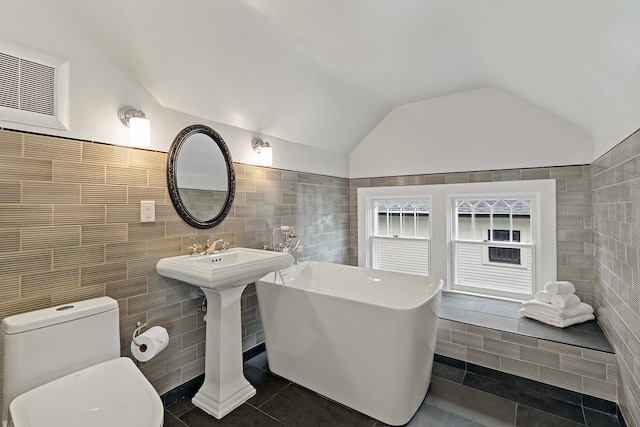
(287, 243)
(207, 248)
(213, 248)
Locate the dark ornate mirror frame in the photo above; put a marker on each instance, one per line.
(172, 179)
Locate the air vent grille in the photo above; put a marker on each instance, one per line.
(9, 81)
(26, 85)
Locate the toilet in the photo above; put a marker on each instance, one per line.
(62, 367)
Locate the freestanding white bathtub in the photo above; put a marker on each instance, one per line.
(362, 337)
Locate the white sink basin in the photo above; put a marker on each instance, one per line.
(230, 268)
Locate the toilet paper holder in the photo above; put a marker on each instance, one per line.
(136, 332)
(146, 345)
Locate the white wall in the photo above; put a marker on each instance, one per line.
(484, 129)
(99, 86)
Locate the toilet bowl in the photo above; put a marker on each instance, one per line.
(110, 394)
(62, 367)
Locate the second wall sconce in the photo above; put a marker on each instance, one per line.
(138, 124)
(265, 153)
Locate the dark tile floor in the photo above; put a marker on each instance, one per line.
(457, 397)
(505, 316)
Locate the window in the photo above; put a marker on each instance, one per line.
(496, 239)
(400, 238)
(488, 265)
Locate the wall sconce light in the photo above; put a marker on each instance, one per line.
(138, 124)
(264, 150)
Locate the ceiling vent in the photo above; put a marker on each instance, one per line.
(33, 88)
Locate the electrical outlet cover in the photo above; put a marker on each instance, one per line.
(147, 211)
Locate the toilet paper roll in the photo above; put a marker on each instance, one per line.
(148, 344)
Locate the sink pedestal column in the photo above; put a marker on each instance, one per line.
(225, 387)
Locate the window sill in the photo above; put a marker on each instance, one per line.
(504, 316)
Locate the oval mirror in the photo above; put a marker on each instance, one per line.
(200, 176)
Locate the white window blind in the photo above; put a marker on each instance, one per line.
(404, 255)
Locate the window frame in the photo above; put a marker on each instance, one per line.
(530, 250)
(441, 246)
(373, 239)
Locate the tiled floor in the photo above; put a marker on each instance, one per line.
(505, 316)
(456, 397)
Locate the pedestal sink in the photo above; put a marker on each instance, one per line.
(222, 277)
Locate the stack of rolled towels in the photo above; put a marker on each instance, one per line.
(557, 305)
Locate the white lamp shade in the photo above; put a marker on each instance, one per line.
(139, 132)
(265, 156)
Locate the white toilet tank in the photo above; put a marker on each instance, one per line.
(44, 345)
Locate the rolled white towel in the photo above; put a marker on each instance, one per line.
(561, 287)
(565, 287)
(551, 288)
(552, 311)
(543, 296)
(560, 323)
(565, 301)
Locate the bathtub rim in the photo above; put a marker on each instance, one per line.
(434, 294)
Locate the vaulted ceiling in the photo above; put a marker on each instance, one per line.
(325, 72)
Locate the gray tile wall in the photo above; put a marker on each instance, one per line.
(70, 230)
(573, 368)
(616, 238)
(573, 202)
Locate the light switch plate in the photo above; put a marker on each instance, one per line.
(147, 211)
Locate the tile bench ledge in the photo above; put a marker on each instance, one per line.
(504, 316)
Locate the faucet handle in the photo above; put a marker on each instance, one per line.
(195, 248)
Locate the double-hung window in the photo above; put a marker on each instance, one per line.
(492, 238)
(400, 236)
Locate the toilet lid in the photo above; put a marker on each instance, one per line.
(112, 393)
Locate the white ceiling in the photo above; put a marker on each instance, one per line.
(325, 72)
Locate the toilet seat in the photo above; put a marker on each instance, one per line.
(110, 394)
